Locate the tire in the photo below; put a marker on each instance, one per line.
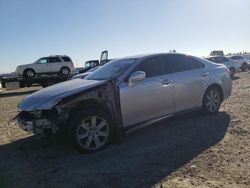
(29, 73)
(84, 132)
(212, 100)
(65, 71)
(244, 67)
(232, 72)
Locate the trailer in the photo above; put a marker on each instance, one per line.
(43, 80)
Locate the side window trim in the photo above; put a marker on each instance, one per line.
(58, 60)
(135, 69)
(148, 59)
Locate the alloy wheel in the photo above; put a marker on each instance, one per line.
(92, 133)
(30, 73)
(65, 71)
(212, 100)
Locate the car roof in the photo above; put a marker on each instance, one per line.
(149, 55)
(54, 56)
(58, 56)
(215, 56)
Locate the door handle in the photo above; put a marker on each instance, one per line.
(166, 82)
(204, 73)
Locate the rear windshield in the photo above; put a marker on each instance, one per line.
(66, 58)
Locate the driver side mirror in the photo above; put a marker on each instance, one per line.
(136, 77)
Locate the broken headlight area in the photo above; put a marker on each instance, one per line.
(38, 122)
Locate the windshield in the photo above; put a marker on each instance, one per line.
(93, 69)
(111, 70)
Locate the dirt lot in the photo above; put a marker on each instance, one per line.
(190, 150)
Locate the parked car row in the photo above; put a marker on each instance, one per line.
(123, 95)
(234, 63)
(240, 60)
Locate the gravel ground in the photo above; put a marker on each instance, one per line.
(186, 151)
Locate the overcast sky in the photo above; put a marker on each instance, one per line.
(30, 29)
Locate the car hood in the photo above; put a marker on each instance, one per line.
(47, 98)
(81, 76)
(25, 65)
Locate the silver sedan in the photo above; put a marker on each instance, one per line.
(124, 94)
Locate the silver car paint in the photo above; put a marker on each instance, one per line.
(146, 100)
(219, 76)
(185, 91)
(47, 98)
(189, 87)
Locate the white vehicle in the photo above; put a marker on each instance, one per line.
(241, 60)
(232, 65)
(53, 64)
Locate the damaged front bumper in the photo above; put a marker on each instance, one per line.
(29, 121)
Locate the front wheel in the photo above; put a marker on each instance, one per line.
(91, 130)
(212, 100)
(29, 73)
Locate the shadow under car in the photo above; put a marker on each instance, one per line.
(143, 159)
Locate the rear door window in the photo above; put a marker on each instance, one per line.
(180, 63)
(54, 60)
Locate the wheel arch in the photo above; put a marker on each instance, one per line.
(91, 103)
(26, 69)
(64, 67)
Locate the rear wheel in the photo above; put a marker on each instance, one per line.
(91, 130)
(29, 73)
(212, 100)
(244, 67)
(65, 71)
